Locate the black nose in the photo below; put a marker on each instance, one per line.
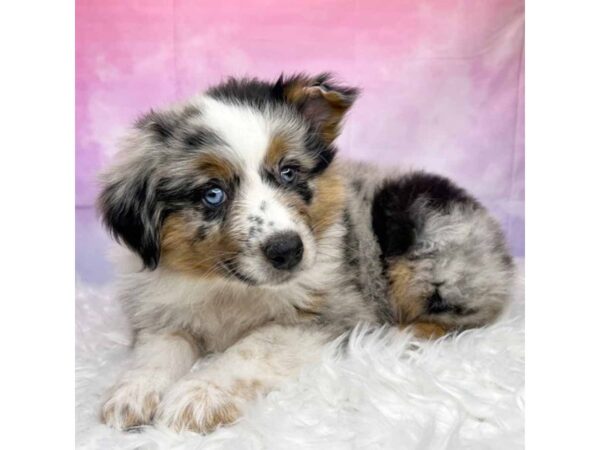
(284, 250)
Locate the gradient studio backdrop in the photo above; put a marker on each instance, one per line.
(442, 83)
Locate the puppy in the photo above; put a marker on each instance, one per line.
(248, 246)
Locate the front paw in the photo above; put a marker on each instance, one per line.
(197, 405)
(131, 404)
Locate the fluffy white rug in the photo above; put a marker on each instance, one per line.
(389, 392)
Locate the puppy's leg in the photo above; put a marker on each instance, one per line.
(217, 393)
(158, 360)
(445, 256)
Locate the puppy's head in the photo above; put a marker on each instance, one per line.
(235, 183)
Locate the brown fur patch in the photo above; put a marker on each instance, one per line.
(295, 92)
(276, 151)
(180, 247)
(107, 415)
(337, 107)
(211, 166)
(313, 307)
(328, 201)
(428, 330)
(407, 300)
(212, 415)
(327, 108)
(130, 419)
(281, 147)
(128, 416)
(181, 250)
(150, 404)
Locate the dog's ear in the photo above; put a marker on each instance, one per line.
(128, 201)
(129, 212)
(319, 99)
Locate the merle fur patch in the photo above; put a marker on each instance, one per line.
(395, 219)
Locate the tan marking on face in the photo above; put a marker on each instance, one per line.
(276, 151)
(327, 204)
(181, 250)
(212, 166)
(281, 147)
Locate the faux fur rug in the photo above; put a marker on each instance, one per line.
(390, 392)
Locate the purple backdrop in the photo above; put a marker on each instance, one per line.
(442, 83)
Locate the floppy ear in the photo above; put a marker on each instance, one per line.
(129, 206)
(320, 100)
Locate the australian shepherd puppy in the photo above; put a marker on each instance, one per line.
(246, 240)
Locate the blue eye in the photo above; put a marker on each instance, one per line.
(288, 174)
(214, 197)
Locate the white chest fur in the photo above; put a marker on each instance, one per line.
(219, 312)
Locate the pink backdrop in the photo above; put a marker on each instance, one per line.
(442, 81)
